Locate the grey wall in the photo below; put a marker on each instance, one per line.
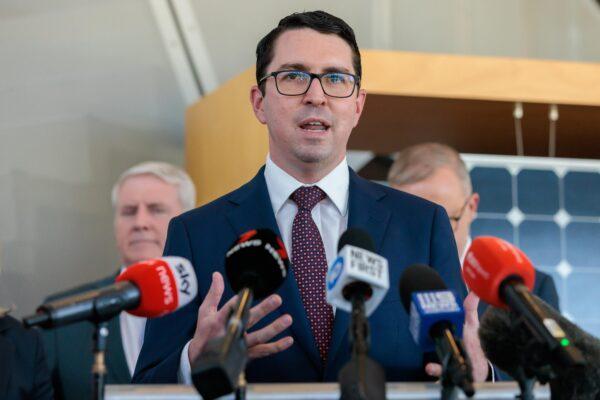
(86, 90)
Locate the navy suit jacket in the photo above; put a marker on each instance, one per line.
(23, 371)
(406, 230)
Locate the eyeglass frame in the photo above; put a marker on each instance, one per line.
(312, 76)
(461, 214)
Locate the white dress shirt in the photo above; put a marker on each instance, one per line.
(132, 336)
(330, 216)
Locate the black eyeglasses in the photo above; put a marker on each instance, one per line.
(297, 83)
(454, 221)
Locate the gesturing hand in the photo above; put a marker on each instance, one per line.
(471, 342)
(211, 323)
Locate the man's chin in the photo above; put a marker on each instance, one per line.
(143, 252)
(313, 156)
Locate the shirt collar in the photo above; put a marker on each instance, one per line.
(464, 251)
(281, 185)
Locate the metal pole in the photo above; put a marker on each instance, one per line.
(99, 366)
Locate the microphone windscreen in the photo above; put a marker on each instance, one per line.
(419, 278)
(504, 344)
(489, 262)
(165, 284)
(257, 260)
(358, 238)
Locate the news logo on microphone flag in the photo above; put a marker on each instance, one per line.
(430, 307)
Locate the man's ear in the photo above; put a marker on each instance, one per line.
(256, 99)
(360, 104)
(474, 203)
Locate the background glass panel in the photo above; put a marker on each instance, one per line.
(537, 192)
(495, 188)
(540, 240)
(582, 193)
(583, 244)
(494, 227)
(582, 294)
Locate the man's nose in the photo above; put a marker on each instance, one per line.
(142, 218)
(315, 94)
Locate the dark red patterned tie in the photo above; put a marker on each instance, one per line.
(310, 266)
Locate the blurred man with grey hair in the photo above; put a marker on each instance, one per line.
(144, 198)
(437, 173)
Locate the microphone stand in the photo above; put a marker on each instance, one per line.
(240, 391)
(362, 378)
(455, 366)
(99, 366)
(219, 370)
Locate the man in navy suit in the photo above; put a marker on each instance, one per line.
(436, 172)
(308, 93)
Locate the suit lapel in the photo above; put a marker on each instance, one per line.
(6, 360)
(367, 213)
(252, 210)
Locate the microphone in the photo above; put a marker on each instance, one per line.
(502, 275)
(357, 273)
(357, 281)
(255, 266)
(508, 346)
(436, 321)
(147, 289)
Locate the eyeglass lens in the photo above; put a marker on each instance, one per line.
(335, 84)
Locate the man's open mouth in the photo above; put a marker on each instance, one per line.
(314, 125)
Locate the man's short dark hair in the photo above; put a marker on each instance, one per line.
(319, 21)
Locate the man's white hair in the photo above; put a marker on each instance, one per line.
(166, 172)
(418, 162)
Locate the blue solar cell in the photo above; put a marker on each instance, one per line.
(582, 292)
(493, 227)
(537, 192)
(495, 187)
(582, 193)
(582, 243)
(540, 240)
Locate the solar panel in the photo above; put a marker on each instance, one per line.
(550, 208)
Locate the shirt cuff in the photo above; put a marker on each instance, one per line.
(184, 375)
(491, 373)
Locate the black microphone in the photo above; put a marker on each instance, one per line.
(357, 282)
(512, 348)
(255, 265)
(436, 316)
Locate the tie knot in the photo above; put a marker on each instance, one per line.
(306, 197)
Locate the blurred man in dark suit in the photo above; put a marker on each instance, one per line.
(23, 371)
(437, 173)
(144, 198)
